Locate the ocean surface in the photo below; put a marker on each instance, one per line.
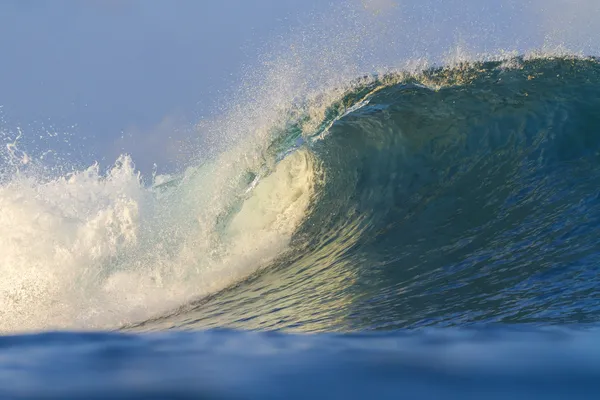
(410, 234)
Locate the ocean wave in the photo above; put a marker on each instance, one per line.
(457, 195)
(452, 195)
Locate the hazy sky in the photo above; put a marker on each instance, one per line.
(112, 66)
(149, 70)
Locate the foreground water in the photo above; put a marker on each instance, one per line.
(449, 364)
(453, 198)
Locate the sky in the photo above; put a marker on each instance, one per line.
(136, 76)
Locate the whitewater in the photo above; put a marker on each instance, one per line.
(349, 227)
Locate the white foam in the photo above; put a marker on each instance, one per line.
(92, 251)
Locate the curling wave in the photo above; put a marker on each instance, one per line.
(454, 195)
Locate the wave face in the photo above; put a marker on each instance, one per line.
(459, 195)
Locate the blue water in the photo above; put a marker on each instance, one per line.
(452, 364)
(442, 243)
